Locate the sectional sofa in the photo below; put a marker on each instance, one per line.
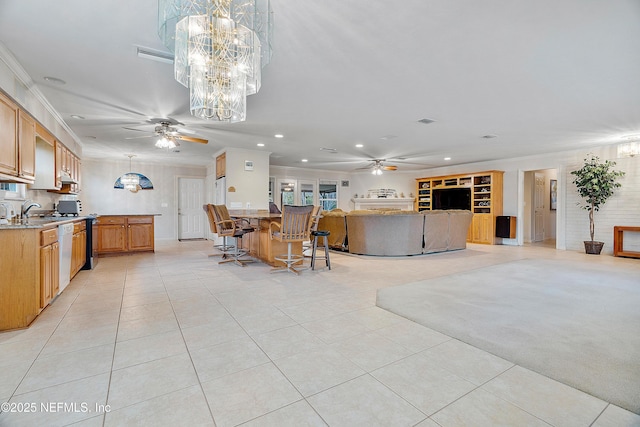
(396, 233)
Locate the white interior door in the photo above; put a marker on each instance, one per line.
(538, 208)
(190, 213)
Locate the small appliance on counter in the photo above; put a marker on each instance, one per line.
(69, 207)
(6, 212)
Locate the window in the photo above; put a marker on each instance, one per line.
(307, 192)
(14, 191)
(287, 193)
(328, 195)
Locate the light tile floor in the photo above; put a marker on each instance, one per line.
(173, 338)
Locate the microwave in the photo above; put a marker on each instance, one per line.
(69, 207)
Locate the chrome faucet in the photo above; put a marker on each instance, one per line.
(26, 206)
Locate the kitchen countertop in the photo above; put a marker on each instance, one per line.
(42, 222)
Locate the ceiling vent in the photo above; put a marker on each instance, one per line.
(155, 55)
(426, 121)
(330, 150)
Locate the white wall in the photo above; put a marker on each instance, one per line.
(99, 196)
(621, 209)
(251, 186)
(402, 182)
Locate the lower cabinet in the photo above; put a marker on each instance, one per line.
(49, 273)
(49, 267)
(121, 234)
(79, 247)
(482, 228)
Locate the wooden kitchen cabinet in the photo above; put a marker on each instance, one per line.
(8, 136)
(112, 235)
(20, 284)
(49, 267)
(125, 233)
(67, 163)
(27, 147)
(221, 165)
(140, 233)
(78, 247)
(17, 143)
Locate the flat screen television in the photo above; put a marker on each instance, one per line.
(451, 198)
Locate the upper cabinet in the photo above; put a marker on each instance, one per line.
(221, 165)
(17, 143)
(67, 170)
(8, 138)
(26, 146)
(24, 143)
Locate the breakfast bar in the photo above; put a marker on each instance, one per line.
(259, 243)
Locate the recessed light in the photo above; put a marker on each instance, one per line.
(304, 160)
(447, 158)
(489, 136)
(54, 80)
(260, 144)
(359, 145)
(75, 116)
(331, 150)
(278, 135)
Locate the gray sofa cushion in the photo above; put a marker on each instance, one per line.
(459, 222)
(388, 235)
(436, 231)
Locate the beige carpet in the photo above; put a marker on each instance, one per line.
(578, 325)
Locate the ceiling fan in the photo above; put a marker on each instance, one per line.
(377, 167)
(168, 133)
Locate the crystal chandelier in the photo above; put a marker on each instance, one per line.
(220, 47)
(631, 148)
(130, 180)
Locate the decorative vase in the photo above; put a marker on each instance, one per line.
(592, 247)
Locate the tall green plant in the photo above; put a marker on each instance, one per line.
(596, 181)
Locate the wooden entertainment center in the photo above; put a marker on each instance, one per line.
(486, 200)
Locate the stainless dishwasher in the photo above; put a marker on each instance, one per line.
(65, 240)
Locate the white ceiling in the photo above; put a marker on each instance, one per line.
(542, 75)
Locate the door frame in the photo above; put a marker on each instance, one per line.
(176, 204)
(560, 211)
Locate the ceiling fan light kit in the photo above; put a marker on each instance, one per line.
(220, 47)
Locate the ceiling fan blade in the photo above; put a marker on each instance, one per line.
(191, 139)
(137, 130)
(138, 137)
(185, 130)
(365, 167)
(390, 168)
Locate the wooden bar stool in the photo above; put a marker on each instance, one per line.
(325, 235)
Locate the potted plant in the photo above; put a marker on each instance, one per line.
(596, 181)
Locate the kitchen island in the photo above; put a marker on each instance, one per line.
(121, 234)
(259, 243)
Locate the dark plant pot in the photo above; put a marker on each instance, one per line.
(593, 248)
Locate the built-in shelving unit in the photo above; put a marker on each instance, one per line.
(486, 200)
